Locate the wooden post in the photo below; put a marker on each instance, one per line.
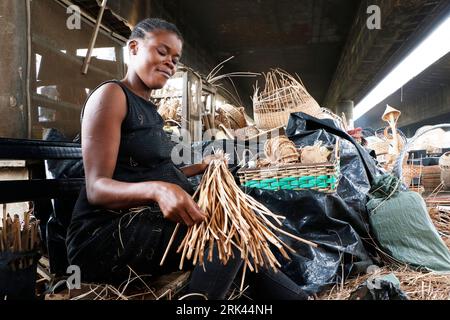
(87, 59)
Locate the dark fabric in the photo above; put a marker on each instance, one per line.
(127, 240)
(270, 285)
(61, 215)
(214, 280)
(144, 155)
(338, 222)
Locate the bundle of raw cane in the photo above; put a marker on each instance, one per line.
(234, 219)
(281, 150)
(15, 238)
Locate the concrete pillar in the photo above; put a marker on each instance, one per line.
(346, 107)
(13, 69)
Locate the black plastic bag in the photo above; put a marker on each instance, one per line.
(338, 222)
(60, 217)
(385, 290)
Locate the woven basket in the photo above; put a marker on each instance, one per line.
(221, 119)
(282, 95)
(410, 172)
(322, 177)
(235, 117)
(325, 113)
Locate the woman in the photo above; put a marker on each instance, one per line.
(126, 157)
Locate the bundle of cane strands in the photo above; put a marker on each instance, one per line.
(18, 237)
(234, 219)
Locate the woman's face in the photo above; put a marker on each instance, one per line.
(155, 58)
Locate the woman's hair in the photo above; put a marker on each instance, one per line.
(153, 24)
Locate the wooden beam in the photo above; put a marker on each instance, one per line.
(369, 54)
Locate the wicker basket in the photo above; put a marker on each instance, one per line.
(410, 172)
(232, 117)
(322, 177)
(282, 95)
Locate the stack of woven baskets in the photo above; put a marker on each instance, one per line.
(281, 96)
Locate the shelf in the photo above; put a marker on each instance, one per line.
(54, 104)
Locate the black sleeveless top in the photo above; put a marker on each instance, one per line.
(145, 149)
(144, 155)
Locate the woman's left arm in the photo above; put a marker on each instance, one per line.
(193, 170)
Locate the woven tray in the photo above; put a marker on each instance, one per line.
(322, 177)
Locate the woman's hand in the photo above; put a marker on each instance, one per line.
(176, 205)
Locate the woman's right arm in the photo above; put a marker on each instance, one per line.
(101, 128)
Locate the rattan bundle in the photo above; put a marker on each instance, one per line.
(234, 220)
(281, 150)
(19, 238)
(170, 109)
(281, 96)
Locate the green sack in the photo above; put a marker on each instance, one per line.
(404, 229)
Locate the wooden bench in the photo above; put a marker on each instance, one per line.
(44, 193)
(41, 190)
